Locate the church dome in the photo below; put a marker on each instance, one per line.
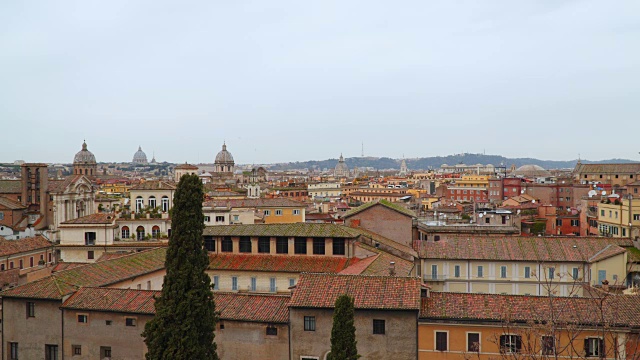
(224, 156)
(84, 156)
(140, 157)
(531, 171)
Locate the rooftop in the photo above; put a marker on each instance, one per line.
(252, 307)
(288, 230)
(516, 248)
(369, 292)
(10, 204)
(98, 218)
(154, 185)
(12, 247)
(112, 300)
(254, 203)
(385, 203)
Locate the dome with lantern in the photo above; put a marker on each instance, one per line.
(140, 157)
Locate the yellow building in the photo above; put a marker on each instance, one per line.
(615, 219)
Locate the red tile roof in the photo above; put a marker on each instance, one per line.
(279, 263)
(255, 203)
(619, 309)
(380, 266)
(546, 249)
(359, 267)
(56, 186)
(10, 204)
(289, 230)
(389, 205)
(97, 274)
(13, 247)
(112, 300)
(154, 185)
(10, 187)
(369, 292)
(98, 218)
(253, 307)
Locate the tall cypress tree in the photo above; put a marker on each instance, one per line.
(343, 332)
(185, 311)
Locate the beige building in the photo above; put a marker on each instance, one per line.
(615, 219)
(386, 326)
(522, 265)
(245, 211)
(184, 169)
(152, 194)
(324, 190)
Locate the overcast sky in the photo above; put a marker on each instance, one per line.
(300, 80)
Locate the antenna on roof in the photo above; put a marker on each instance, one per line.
(362, 154)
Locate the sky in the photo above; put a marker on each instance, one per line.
(283, 81)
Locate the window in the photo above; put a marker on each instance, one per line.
(594, 347)
(456, 271)
(76, 350)
(221, 325)
(236, 217)
(21, 264)
(216, 282)
(90, 238)
(90, 255)
(309, 323)
(548, 345)
(292, 282)
(318, 246)
(575, 222)
(207, 219)
(220, 218)
(552, 272)
(129, 321)
(272, 330)
(210, 243)
(282, 245)
(245, 244)
(227, 244)
(473, 342)
(636, 217)
(441, 341)
(253, 284)
(108, 322)
(13, 351)
(165, 204)
(378, 327)
(264, 245)
(83, 318)
(527, 272)
(152, 202)
(140, 232)
(278, 212)
(234, 283)
(267, 212)
(139, 203)
(125, 232)
(300, 246)
(31, 309)
(503, 272)
(155, 232)
(574, 273)
(601, 212)
(296, 211)
(510, 343)
(272, 284)
(10, 264)
(338, 247)
(434, 271)
(480, 271)
(1, 267)
(51, 352)
(139, 287)
(105, 352)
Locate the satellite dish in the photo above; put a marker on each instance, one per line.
(480, 215)
(533, 201)
(522, 191)
(518, 212)
(592, 193)
(485, 213)
(604, 192)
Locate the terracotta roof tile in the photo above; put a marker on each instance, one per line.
(629, 168)
(253, 307)
(12, 247)
(56, 186)
(621, 309)
(154, 185)
(380, 266)
(385, 203)
(10, 204)
(534, 248)
(10, 187)
(292, 230)
(98, 218)
(93, 275)
(369, 292)
(279, 263)
(112, 300)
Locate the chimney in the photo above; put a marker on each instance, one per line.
(605, 285)
(355, 223)
(392, 268)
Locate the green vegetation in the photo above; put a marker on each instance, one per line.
(343, 332)
(186, 318)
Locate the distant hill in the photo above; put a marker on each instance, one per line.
(434, 162)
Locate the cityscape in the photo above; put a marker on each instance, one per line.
(319, 181)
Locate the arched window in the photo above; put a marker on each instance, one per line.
(155, 231)
(139, 203)
(125, 232)
(140, 232)
(152, 202)
(165, 203)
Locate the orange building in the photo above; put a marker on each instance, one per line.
(490, 326)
